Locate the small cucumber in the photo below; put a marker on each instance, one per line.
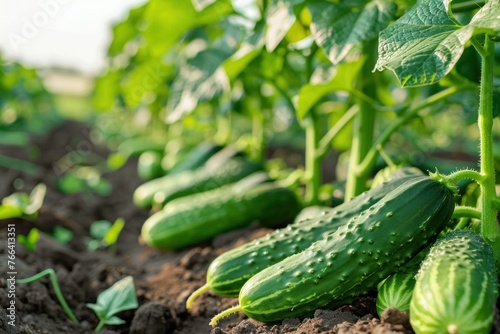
(456, 288)
(229, 271)
(164, 189)
(196, 218)
(149, 165)
(397, 289)
(353, 259)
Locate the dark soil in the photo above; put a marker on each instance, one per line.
(163, 280)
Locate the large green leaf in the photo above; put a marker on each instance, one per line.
(168, 20)
(280, 17)
(342, 79)
(426, 43)
(200, 80)
(337, 28)
(247, 52)
(487, 19)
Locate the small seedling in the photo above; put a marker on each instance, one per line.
(29, 241)
(20, 204)
(55, 284)
(119, 297)
(104, 234)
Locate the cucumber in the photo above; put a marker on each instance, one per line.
(136, 145)
(456, 288)
(354, 258)
(196, 158)
(149, 165)
(164, 189)
(190, 220)
(230, 270)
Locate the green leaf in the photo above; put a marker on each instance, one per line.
(337, 28)
(280, 17)
(424, 44)
(247, 52)
(487, 19)
(119, 297)
(99, 228)
(114, 320)
(169, 20)
(113, 232)
(10, 211)
(341, 79)
(61, 234)
(200, 80)
(202, 4)
(29, 241)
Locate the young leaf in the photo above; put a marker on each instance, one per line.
(336, 27)
(29, 241)
(61, 234)
(119, 297)
(113, 232)
(424, 44)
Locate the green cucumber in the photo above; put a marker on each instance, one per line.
(195, 158)
(164, 189)
(229, 271)
(196, 218)
(149, 165)
(397, 289)
(354, 258)
(456, 288)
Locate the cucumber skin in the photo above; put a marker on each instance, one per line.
(456, 285)
(189, 182)
(230, 270)
(353, 259)
(202, 216)
(397, 289)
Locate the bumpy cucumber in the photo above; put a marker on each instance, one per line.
(456, 288)
(196, 218)
(164, 189)
(354, 258)
(229, 271)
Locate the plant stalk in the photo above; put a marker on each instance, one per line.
(489, 225)
(313, 161)
(364, 124)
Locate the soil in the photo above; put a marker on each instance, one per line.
(163, 280)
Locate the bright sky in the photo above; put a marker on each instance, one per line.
(65, 33)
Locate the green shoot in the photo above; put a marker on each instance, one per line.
(55, 284)
(119, 297)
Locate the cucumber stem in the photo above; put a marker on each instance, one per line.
(363, 126)
(196, 294)
(313, 162)
(224, 314)
(466, 212)
(489, 226)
